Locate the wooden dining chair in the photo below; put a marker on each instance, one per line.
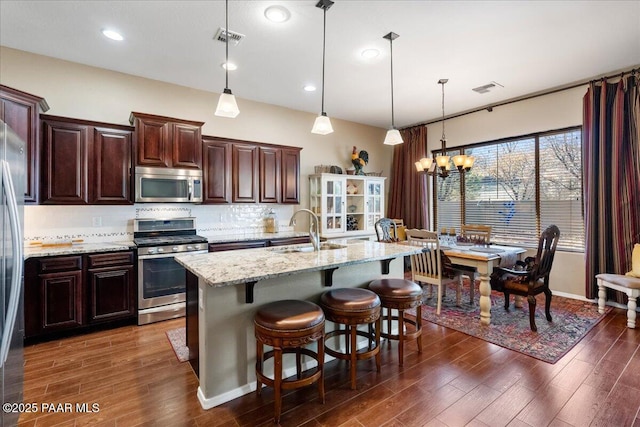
(427, 266)
(476, 233)
(386, 230)
(533, 279)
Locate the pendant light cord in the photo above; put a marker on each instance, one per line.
(226, 24)
(444, 150)
(393, 125)
(324, 43)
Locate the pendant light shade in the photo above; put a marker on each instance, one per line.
(322, 125)
(227, 106)
(393, 135)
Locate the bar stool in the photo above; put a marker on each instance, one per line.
(352, 307)
(400, 294)
(288, 326)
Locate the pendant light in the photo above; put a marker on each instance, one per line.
(462, 162)
(227, 106)
(393, 135)
(322, 125)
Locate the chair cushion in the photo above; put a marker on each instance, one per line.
(395, 288)
(620, 280)
(289, 315)
(635, 261)
(517, 285)
(356, 299)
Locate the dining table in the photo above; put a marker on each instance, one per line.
(483, 259)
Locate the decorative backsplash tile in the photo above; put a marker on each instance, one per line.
(95, 224)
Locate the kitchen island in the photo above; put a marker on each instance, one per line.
(233, 284)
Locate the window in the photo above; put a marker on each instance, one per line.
(519, 186)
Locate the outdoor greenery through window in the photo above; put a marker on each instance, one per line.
(518, 186)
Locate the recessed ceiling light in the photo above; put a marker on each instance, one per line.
(277, 14)
(230, 67)
(370, 53)
(309, 88)
(113, 35)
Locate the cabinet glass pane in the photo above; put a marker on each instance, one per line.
(329, 187)
(329, 204)
(339, 204)
(338, 187)
(377, 206)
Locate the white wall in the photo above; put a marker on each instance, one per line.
(559, 110)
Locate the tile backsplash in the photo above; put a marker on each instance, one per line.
(96, 224)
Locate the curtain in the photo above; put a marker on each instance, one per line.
(611, 168)
(408, 196)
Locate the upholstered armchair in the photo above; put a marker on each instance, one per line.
(532, 277)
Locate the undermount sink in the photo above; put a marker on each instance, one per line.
(294, 249)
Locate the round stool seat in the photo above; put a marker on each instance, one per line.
(289, 315)
(288, 326)
(400, 295)
(352, 307)
(399, 289)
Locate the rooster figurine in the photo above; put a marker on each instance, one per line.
(359, 160)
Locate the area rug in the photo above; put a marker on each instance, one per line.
(572, 319)
(178, 340)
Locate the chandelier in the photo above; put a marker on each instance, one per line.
(462, 162)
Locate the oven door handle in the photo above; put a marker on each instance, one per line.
(171, 254)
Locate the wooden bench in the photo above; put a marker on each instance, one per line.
(628, 284)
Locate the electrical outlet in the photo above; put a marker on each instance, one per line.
(97, 221)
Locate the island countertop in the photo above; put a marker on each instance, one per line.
(226, 268)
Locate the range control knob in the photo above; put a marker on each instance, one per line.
(197, 247)
(160, 250)
(189, 248)
(175, 249)
(151, 251)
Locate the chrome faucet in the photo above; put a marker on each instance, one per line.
(314, 235)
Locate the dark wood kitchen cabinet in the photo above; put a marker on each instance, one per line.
(216, 165)
(290, 175)
(20, 111)
(85, 162)
(167, 142)
(111, 286)
(244, 168)
(53, 295)
(269, 164)
(72, 294)
(238, 171)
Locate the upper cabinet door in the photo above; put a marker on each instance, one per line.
(245, 173)
(217, 170)
(110, 174)
(187, 146)
(153, 142)
(64, 163)
(290, 175)
(166, 142)
(20, 110)
(269, 175)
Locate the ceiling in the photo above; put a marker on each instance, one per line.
(525, 46)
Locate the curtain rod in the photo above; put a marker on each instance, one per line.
(530, 96)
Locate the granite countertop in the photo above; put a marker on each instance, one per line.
(32, 251)
(249, 265)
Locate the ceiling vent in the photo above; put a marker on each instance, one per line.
(487, 88)
(234, 38)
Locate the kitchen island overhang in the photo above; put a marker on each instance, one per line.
(225, 320)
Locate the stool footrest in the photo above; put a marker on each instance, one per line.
(362, 354)
(307, 377)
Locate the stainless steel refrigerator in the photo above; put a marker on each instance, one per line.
(12, 163)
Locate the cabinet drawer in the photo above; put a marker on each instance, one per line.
(67, 263)
(289, 241)
(232, 246)
(109, 259)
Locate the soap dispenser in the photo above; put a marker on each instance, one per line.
(271, 222)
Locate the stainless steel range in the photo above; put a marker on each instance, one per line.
(161, 280)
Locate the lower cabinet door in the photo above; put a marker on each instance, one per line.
(111, 293)
(61, 296)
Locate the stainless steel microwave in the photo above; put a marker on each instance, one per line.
(166, 185)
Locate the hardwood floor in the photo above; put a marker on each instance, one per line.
(133, 375)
